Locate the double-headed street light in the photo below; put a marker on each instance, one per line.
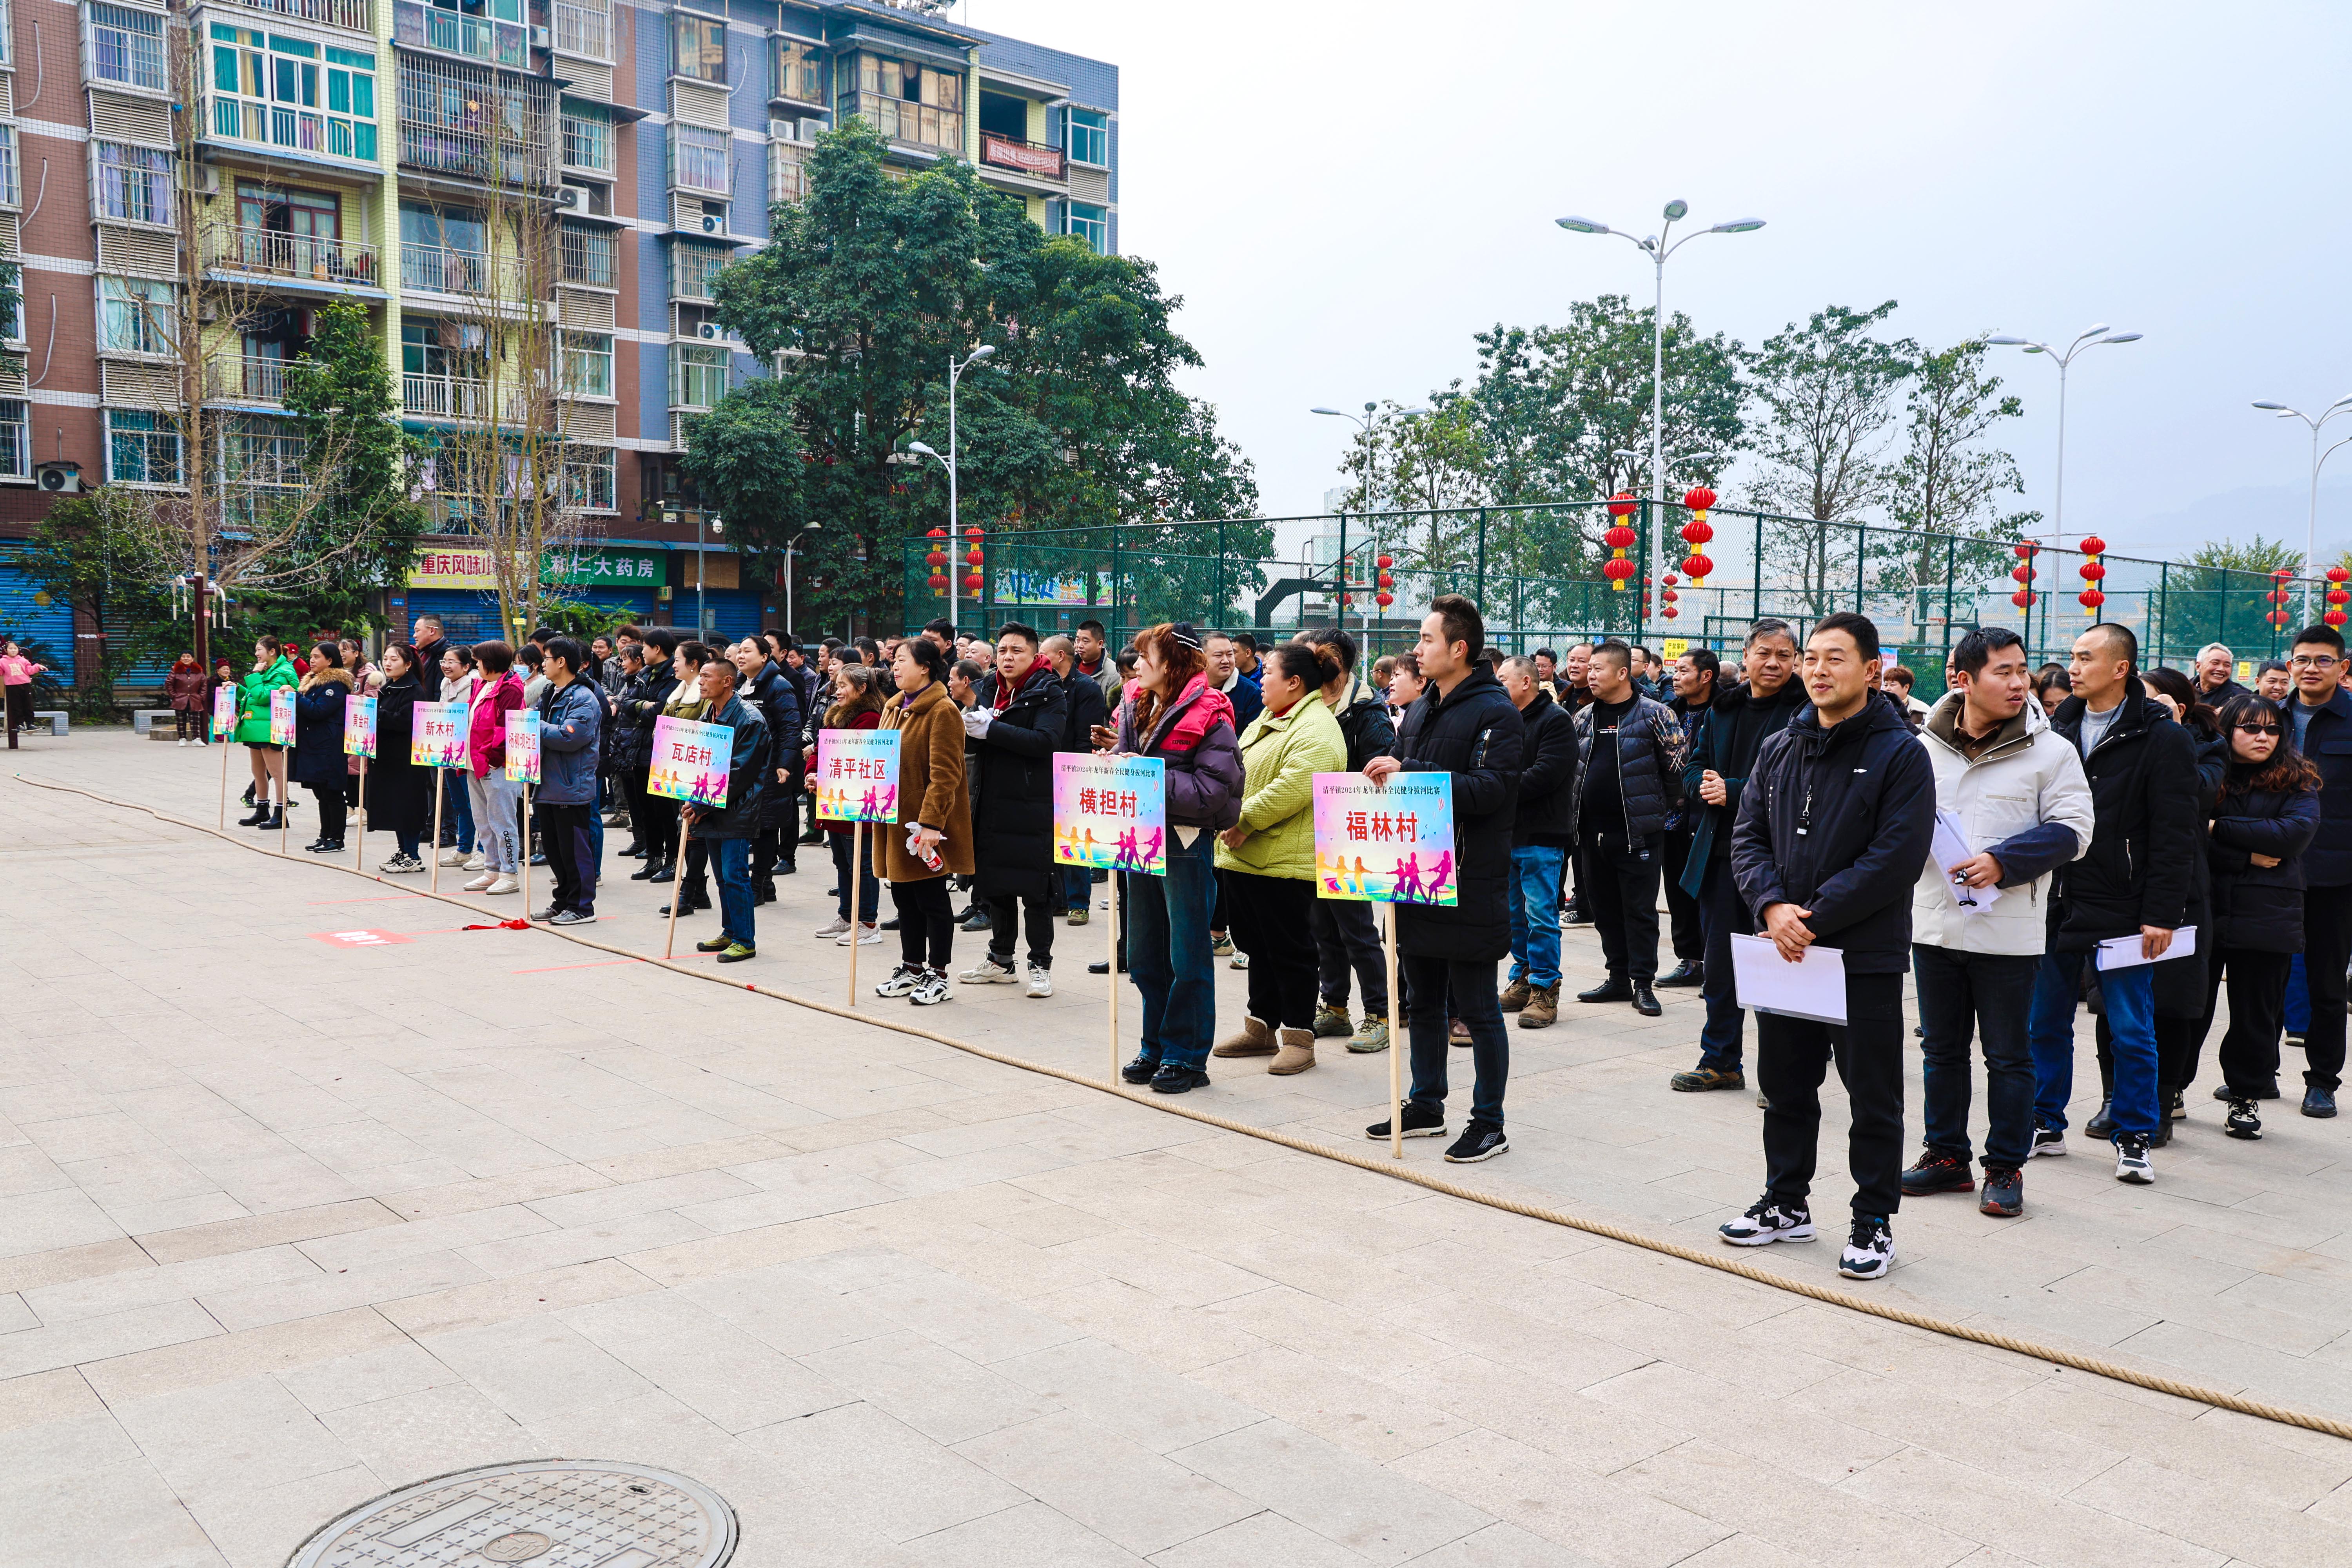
(2064, 358)
(955, 371)
(1365, 419)
(2318, 457)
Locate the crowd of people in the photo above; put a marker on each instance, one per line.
(2032, 841)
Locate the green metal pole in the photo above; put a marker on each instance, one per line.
(1482, 561)
(2163, 606)
(1217, 604)
(1756, 570)
(1116, 545)
(1951, 570)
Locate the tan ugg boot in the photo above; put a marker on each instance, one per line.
(1252, 1039)
(1297, 1053)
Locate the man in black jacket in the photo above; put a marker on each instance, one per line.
(1018, 724)
(727, 831)
(1833, 828)
(1345, 933)
(1630, 755)
(1466, 726)
(777, 696)
(1084, 706)
(1695, 686)
(2321, 712)
(1733, 733)
(2134, 881)
(1543, 833)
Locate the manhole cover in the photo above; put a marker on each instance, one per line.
(550, 1514)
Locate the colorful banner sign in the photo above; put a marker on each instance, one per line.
(857, 777)
(224, 710)
(1110, 813)
(596, 568)
(1392, 845)
(691, 761)
(1018, 587)
(523, 746)
(281, 716)
(437, 739)
(358, 725)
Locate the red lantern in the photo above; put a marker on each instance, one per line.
(972, 583)
(1621, 504)
(938, 583)
(1698, 498)
(1384, 600)
(1617, 570)
(1672, 580)
(2333, 617)
(1698, 566)
(1669, 613)
(972, 555)
(2091, 571)
(2022, 598)
(1383, 562)
(2091, 599)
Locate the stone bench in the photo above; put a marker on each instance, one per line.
(155, 723)
(53, 717)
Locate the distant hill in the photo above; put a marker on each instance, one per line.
(2275, 512)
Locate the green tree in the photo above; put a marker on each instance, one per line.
(94, 551)
(1946, 487)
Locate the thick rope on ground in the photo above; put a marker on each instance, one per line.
(1721, 1263)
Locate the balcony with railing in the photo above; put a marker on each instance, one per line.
(585, 32)
(476, 124)
(359, 16)
(1034, 159)
(454, 33)
(915, 124)
(444, 397)
(246, 378)
(299, 257)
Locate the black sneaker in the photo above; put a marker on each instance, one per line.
(2004, 1193)
(1690, 972)
(1768, 1220)
(1938, 1171)
(2318, 1102)
(1869, 1249)
(1139, 1071)
(1173, 1079)
(2102, 1124)
(2049, 1141)
(1613, 989)
(2244, 1121)
(1419, 1121)
(2131, 1160)
(1479, 1141)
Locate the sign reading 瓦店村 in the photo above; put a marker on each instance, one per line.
(224, 710)
(1110, 813)
(358, 725)
(523, 746)
(459, 567)
(437, 739)
(1387, 845)
(690, 761)
(857, 777)
(281, 716)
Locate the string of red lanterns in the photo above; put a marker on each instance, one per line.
(2338, 596)
(2091, 571)
(2278, 596)
(972, 558)
(1385, 582)
(936, 558)
(2023, 573)
(1619, 539)
(1697, 533)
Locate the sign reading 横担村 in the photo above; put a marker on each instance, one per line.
(523, 746)
(1110, 813)
(1389, 844)
(458, 566)
(857, 777)
(689, 761)
(436, 738)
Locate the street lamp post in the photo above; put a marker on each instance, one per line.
(792, 549)
(2318, 457)
(955, 373)
(1372, 411)
(1657, 247)
(2066, 359)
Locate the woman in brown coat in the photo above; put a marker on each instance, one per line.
(936, 811)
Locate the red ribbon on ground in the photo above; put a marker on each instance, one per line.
(502, 925)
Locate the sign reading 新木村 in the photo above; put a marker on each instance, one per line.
(1110, 813)
(1388, 845)
(857, 777)
(358, 725)
(523, 746)
(690, 761)
(437, 739)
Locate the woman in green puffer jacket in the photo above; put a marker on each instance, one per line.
(271, 670)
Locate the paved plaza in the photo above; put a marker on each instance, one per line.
(285, 1223)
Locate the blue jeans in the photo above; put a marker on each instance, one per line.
(1078, 888)
(1985, 994)
(1430, 984)
(1167, 929)
(1535, 914)
(2298, 998)
(2129, 998)
(730, 865)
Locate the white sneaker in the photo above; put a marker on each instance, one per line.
(401, 864)
(988, 972)
(1041, 981)
(478, 861)
(1768, 1222)
(902, 981)
(2131, 1160)
(932, 990)
(481, 884)
(1240, 960)
(504, 884)
(867, 936)
(453, 856)
(1869, 1251)
(182, 743)
(833, 928)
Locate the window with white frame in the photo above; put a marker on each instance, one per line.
(697, 375)
(12, 190)
(7, 31)
(16, 439)
(700, 46)
(260, 451)
(126, 47)
(691, 270)
(697, 159)
(143, 447)
(587, 139)
(289, 92)
(1088, 137)
(1091, 223)
(590, 476)
(134, 184)
(135, 316)
(588, 364)
(591, 255)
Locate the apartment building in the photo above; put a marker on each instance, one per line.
(360, 149)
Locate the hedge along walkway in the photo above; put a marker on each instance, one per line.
(2079, 1361)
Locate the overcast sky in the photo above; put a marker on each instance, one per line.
(1343, 194)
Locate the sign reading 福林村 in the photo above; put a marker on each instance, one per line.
(458, 566)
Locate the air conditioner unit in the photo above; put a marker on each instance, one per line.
(783, 129)
(541, 39)
(60, 479)
(714, 222)
(207, 181)
(574, 198)
(710, 332)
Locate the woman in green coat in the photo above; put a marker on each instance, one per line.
(271, 670)
(1266, 862)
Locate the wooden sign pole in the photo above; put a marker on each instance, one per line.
(284, 768)
(1396, 1046)
(433, 844)
(678, 887)
(358, 827)
(525, 854)
(1113, 1081)
(857, 880)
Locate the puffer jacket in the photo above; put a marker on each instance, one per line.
(1476, 735)
(2260, 906)
(1194, 736)
(1012, 769)
(1650, 754)
(1364, 726)
(631, 750)
(2024, 800)
(571, 727)
(2145, 793)
(1733, 731)
(778, 698)
(2329, 743)
(485, 721)
(751, 775)
(1281, 754)
(1547, 779)
(318, 758)
(253, 699)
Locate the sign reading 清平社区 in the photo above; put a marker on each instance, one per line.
(358, 725)
(689, 761)
(1110, 813)
(439, 737)
(1389, 844)
(523, 746)
(857, 777)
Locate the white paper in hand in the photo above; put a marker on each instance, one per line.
(1811, 988)
(2124, 951)
(1951, 848)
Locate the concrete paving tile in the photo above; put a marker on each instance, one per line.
(547, 1250)
(212, 1240)
(1018, 1538)
(933, 1390)
(224, 1358)
(100, 1339)
(521, 1296)
(1379, 1512)
(705, 1362)
(742, 1250)
(1177, 1338)
(494, 1192)
(869, 1467)
(2219, 1518)
(68, 1444)
(1261, 1538)
(45, 1397)
(1508, 1546)
(716, 1154)
(1130, 1496)
(1776, 1432)
(536, 1367)
(1362, 1342)
(37, 1270)
(46, 1523)
(624, 1200)
(410, 1436)
(1524, 1406)
(782, 1205)
(1606, 1519)
(58, 1217)
(1753, 1496)
(785, 1310)
(1376, 1420)
(171, 1282)
(1174, 1274)
(393, 1369)
(248, 1432)
(2017, 1516)
(965, 1318)
(320, 1292)
(1122, 1392)
(261, 1527)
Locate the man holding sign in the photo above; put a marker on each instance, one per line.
(729, 825)
(1463, 724)
(570, 723)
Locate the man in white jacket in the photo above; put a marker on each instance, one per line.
(2012, 791)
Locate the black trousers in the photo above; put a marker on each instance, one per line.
(1005, 920)
(1792, 1059)
(654, 818)
(1621, 893)
(926, 923)
(1271, 920)
(331, 806)
(1682, 909)
(571, 855)
(2326, 947)
(2249, 1048)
